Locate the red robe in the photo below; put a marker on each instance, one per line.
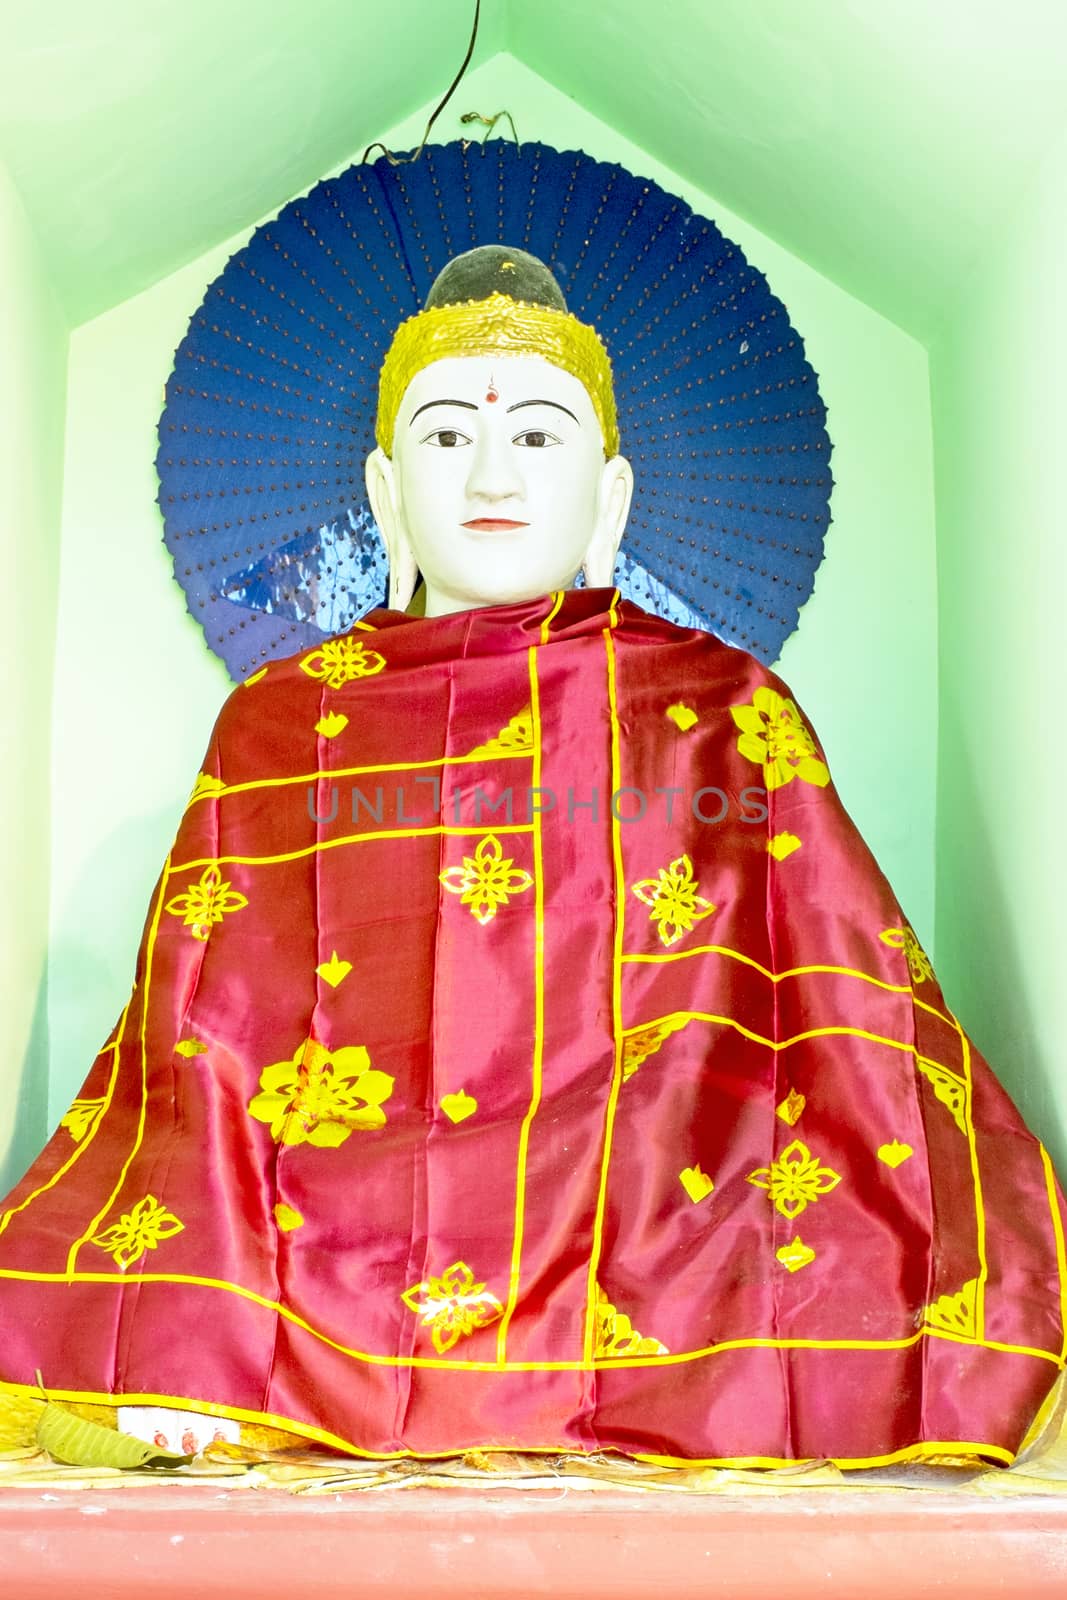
(629, 1118)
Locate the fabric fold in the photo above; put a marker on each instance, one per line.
(587, 888)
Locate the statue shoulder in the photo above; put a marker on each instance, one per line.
(286, 690)
(703, 649)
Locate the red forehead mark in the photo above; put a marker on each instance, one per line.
(492, 394)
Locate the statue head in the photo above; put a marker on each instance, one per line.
(496, 474)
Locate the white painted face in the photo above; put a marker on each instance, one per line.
(497, 490)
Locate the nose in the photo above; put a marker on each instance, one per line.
(495, 472)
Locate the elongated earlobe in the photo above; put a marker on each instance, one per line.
(616, 492)
(381, 492)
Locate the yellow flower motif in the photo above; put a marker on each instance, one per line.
(773, 734)
(321, 1096)
(782, 845)
(339, 661)
(795, 1255)
(81, 1117)
(638, 1046)
(682, 716)
(331, 725)
(190, 1048)
(205, 785)
(514, 739)
(459, 1106)
(918, 961)
(791, 1108)
(674, 900)
(796, 1180)
(453, 1305)
(334, 971)
(955, 1313)
(950, 1090)
(206, 902)
(616, 1334)
(486, 880)
(137, 1231)
(895, 1154)
(287, 1218)
(696, 1183)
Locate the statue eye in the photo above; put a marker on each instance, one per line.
(446, 438)
(535, 439)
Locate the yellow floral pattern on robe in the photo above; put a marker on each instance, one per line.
(637, 1047)
(683, 716)
(773, 735)
(796, 1180)
(334, 971)
(321, 1096)
(918, 961)
(954, 1313)
(137, 1231)
(459, 1106)
(81, 1118)
(950, 1090)
(205, 785)
(452, 1306)
(287, 1217)
(341, 661)
(674, 901)
(791, 1109)
(206, 903)
(696, 1183)
(616, 1334)
(795, 1255)
(895, 1154)
(515, 738)
(487, 880)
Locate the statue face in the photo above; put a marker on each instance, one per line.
(498, 489)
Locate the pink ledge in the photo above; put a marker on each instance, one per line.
(612, 1545)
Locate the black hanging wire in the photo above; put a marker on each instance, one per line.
(398, 161)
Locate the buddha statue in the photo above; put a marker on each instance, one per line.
(525, 1051)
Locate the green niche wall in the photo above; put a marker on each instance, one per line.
(1000, 414)
(33, 337)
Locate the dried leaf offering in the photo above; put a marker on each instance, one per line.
(78, 1443)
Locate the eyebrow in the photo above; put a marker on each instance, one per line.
(467, 405)
(520, 403)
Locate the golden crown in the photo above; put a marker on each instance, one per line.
(496, 325)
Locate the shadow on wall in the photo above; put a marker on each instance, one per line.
(93, 952)
(994, 1002)
(31, 1106)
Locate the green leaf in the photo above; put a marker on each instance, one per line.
(78, 1443)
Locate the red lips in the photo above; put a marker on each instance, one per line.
(494, 524)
